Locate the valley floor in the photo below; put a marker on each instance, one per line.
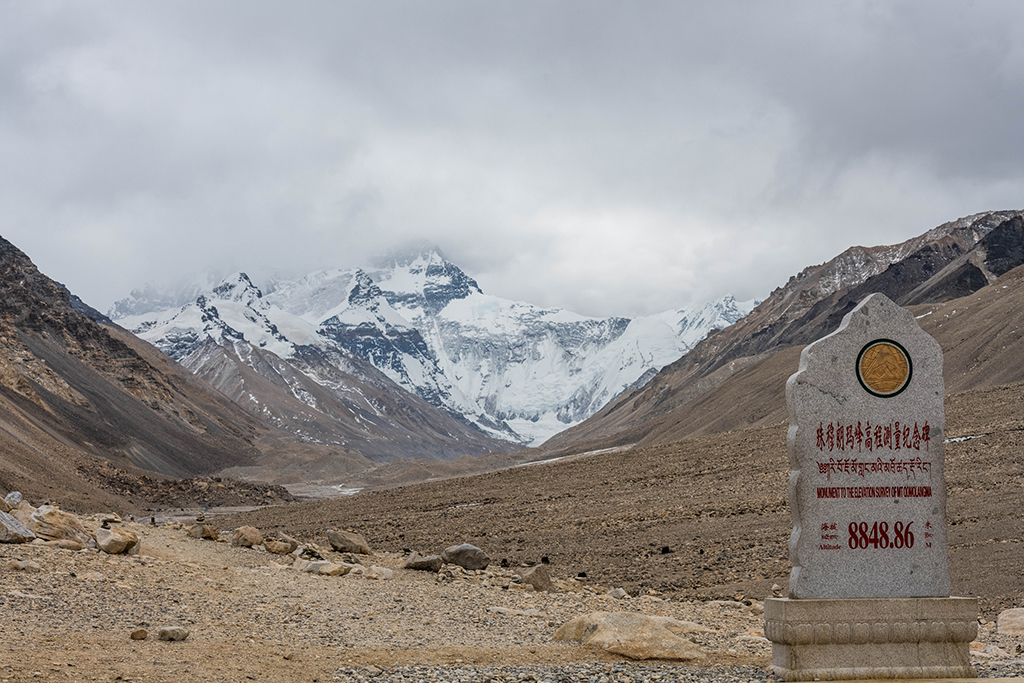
(699, 519)
(251, 619)
(693, 530)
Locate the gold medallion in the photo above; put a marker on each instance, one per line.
(884, 368)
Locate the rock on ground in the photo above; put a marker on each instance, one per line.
(13, 531)
(247, 537)
(431, 563)
(346, 542)
(1011, 622)
(208, 531)
(466, 556)
(538, 577)
(173, 633)
(53, 524)
(117, 541)
(631, 635)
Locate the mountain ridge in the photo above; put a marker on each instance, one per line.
(514, 371)
(810, 305)
(85, 406)
(74, 393)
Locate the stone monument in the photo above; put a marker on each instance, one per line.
(869, 589)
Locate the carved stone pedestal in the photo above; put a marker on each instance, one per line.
(871, 638)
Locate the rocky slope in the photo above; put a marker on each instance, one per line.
(79, 400)
(740, 362)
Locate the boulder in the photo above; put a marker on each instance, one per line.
(12, 499)
(431, 563)
(23, 513)
(277, 547)
(1011, 622)
(23, 566)
(346, 542)
(247, 537)
(172, 633)
(466, 556)
(139, 634)
(204, 531)
(635, 636)
(116, 541)
(375, 572)
(5, 506)
(335, 569)
(285, 538)
(13, 531)
(52, 524)
(538, 577)
(618, 594)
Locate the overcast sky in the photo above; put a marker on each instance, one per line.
(613, 158)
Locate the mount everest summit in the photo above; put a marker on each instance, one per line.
(509, 371)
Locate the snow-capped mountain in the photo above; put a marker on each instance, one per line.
(277, 366)
(515, 371)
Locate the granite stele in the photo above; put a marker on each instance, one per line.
(869, 590)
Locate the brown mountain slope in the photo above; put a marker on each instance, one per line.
(359, 413)
(809, 306)
(980, 335)
(76, 395)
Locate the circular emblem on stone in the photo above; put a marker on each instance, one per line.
(884, 368)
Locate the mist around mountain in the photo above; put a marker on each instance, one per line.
(514, 372)
(735, 377)
(310, 377)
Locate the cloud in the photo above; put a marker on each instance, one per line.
(608, 157)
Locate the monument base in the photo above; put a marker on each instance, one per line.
(871, 638)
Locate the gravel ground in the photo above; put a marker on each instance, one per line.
(251, 619)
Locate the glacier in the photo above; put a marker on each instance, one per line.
(515, 371)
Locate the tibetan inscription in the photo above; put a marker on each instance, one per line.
(865, 444)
